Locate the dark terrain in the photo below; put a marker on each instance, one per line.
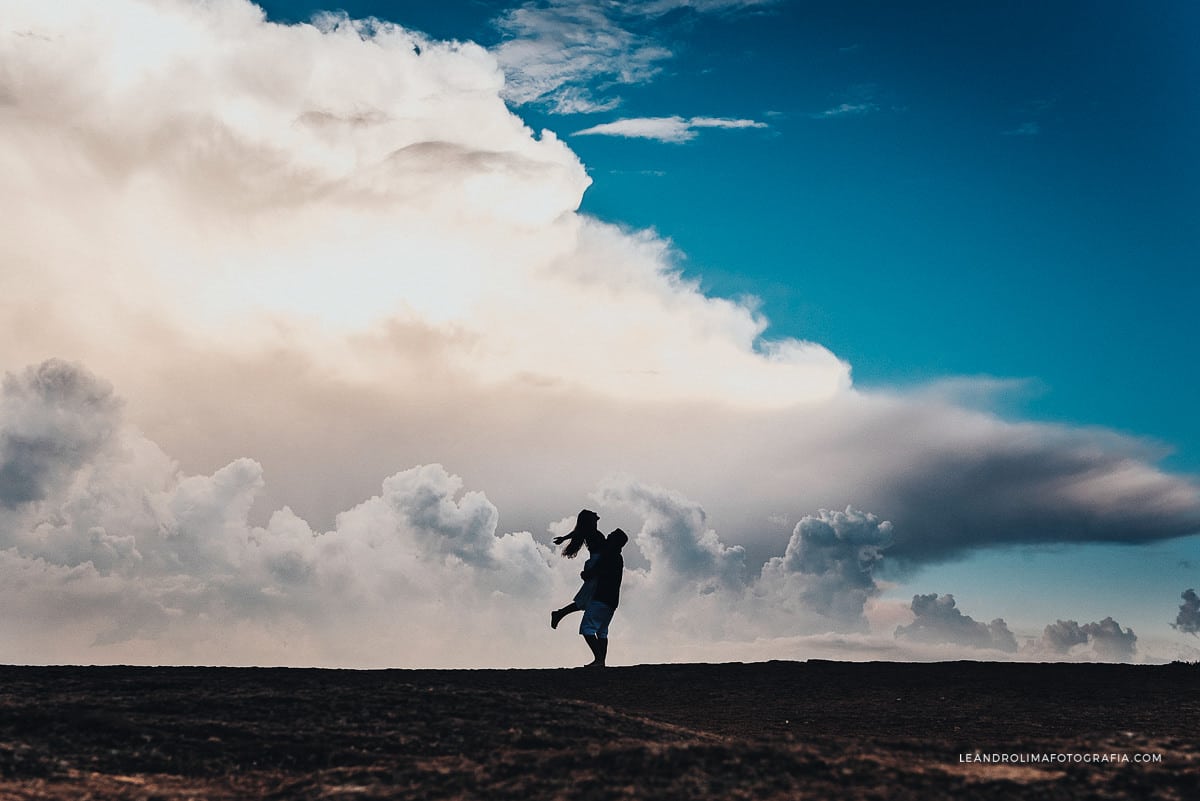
(755, 731)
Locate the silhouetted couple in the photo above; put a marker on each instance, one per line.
(601, 590)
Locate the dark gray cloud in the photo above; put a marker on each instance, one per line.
(1188, 619)
(1110, 641)
(1027, 483)
(939, 621)
(54, 418)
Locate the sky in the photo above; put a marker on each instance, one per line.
(871, 324)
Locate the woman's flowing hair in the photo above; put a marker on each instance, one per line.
(585, 531)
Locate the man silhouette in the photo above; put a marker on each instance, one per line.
(607, 571)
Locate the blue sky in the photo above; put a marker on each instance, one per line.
(337, 325)
(1009, 190)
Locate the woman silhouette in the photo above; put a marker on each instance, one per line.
(584, 533)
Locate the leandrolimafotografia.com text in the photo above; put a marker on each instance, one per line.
(1055, 758)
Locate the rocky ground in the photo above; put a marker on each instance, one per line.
(756, 731)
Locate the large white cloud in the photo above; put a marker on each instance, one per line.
(303, 184)
(332, 251)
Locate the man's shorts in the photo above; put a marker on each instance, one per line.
(596, 617)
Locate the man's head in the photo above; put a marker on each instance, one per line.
(617, 540)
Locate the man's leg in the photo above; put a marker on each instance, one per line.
(594, 629)
(599, 648)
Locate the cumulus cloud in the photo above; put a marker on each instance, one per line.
(52, 421)
(1063, 635)
(1188, 619)
(1108, 640)
(829, 563)
(697, 583)
(125, 547)
(665, 129)
(675, 537)
(939, 621)
(125, 555)
(425, 190)
(323, 253)
(121, 556)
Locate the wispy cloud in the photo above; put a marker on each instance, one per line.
(665, 129)
(1033, 112)
(553, 53)
(1025, 129)
(570, 55)
(856, 101)
(656, 7)
(845, 110)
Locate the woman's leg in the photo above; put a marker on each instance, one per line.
(558, 614)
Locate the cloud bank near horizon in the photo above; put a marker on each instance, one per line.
(329, 252)
(110, 550)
